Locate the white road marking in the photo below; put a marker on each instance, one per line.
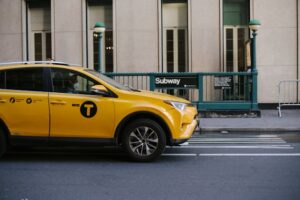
(179, 154)
(185, 144)
(256, 142)
(240, 136)
(266, 136)
(237, 142)
(258, 139)
(249, 154)
(234, 154)
(236, 139)
(233, 147)
(223, 139)
(262, 142)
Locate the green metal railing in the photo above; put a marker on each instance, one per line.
(209, 91)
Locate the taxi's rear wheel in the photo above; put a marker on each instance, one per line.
(144, 140)
(2, 142)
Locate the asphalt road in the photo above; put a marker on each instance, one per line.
(212, 166)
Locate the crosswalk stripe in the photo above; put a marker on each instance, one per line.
(254, 142)
(234, 140)
(238, 142)
(232, 147)
(253, 138)
(249, 154)
(246, 137)
(234, 154)
(242, 138)
(179, 154)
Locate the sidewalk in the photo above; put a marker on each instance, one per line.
(268, 122)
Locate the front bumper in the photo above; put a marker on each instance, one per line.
(186, 134)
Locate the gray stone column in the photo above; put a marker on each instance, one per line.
(298, 46)
(11, 36)
(136, 35)
(67, 31)
(276, 45)
(206, 38)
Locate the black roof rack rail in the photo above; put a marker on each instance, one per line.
(38, 62)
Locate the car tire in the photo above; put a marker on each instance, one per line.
(144, 140)
(2, 142)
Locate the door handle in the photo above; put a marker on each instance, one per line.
(58, 102)
(2, 101)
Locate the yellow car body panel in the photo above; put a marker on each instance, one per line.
(154, 103)
(59, 114)
(67, 120)
(25, 113)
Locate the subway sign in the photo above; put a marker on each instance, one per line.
(189, 82)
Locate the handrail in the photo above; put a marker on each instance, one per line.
(240, 94)
(287, 95)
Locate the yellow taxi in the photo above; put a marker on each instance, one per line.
(45, 103)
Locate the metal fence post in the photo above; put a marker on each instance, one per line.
(152, 82)
(254, 91)
(200, 91)
(247, 88)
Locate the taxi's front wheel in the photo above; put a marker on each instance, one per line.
(2, 142)
(144, 140)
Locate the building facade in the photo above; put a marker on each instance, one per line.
(157, 36)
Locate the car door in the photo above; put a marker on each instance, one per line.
(75, 111)
(24, 102)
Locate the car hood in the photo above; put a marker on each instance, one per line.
(161, 96)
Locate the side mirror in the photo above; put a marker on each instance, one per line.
(100, 90)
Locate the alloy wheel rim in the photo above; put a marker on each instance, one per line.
(143, 141)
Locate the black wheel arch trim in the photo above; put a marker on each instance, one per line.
(5, 128)
(139, 115)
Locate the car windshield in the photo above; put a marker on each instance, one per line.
(108, 80)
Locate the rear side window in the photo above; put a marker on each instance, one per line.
(2, 79)
(25, 79)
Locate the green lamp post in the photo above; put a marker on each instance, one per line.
(254, 24)
(99, 29)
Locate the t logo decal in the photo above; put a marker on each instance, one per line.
(88, 109)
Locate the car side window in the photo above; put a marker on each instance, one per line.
(25, 79)
(67, 81)
(2, 80)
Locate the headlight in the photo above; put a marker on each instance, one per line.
(177, 105)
